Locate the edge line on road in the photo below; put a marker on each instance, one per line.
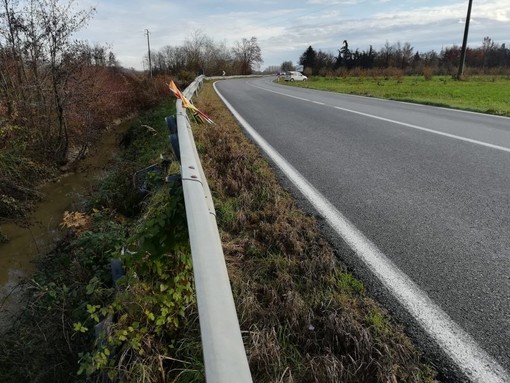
(467, 355)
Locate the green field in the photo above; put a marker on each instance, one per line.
(486, 94)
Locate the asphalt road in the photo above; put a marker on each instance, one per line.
(429, 187)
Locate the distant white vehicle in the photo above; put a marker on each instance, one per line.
(295, 76)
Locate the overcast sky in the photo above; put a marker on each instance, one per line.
(284, 29)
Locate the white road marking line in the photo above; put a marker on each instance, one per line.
(471, 359)
(486, 144)
(470, 140)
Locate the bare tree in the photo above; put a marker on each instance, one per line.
(488, 46)
(248, 54)
(217, 58)
(287, 66)
(387, 53)
(61, 22)
(36, 64)
(407, 54)
(194, 48)
(200, 52)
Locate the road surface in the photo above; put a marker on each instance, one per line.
(426, 190)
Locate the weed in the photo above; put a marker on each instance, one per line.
(155, 299)
(41, 345)
(379, 322)
(114, 190)
(142, 146)
(19, 176)
(227, 212)
(148, 319)
(346, 282)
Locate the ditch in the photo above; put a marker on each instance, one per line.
(39, 234)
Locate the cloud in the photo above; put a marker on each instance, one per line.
(426, 27)
(285, 28)
(335, 2)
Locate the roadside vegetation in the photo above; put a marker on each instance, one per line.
(303, 317)
(145, 314)
(57, 96)
(398, 72)
(486, 94)
(489, 58)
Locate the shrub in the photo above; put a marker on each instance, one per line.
(428, 73)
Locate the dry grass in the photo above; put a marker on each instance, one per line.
(304, 318)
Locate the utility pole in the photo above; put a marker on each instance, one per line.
(149, 51)
(464, 42)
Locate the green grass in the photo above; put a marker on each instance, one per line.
(485, 94)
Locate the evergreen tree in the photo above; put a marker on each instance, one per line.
(308, 58)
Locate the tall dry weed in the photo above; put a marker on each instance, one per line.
(428, 73)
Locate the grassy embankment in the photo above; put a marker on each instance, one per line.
(72, 291)
(304, 319)
(485, 94)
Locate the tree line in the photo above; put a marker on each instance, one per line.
(489, 56)
(201, 54)
(57, 92)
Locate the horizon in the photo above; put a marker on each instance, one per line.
(284, 30)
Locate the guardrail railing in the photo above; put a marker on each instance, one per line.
(222, 344)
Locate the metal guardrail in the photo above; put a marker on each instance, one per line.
(222, 344)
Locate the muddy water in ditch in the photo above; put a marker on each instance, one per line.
(26, 242)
